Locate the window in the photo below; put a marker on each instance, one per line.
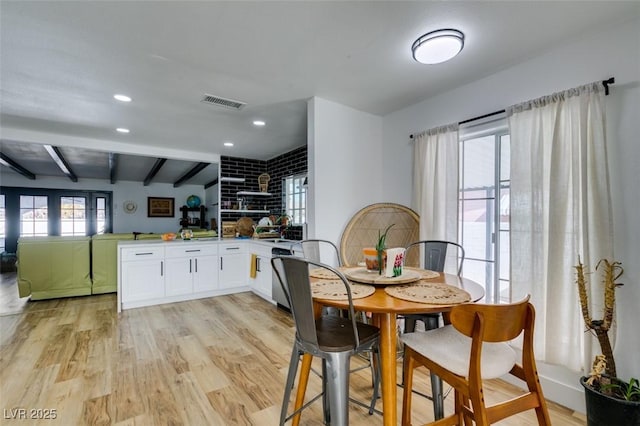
(34, 215)
(101, 215)
(295, 194)
(484, 207)
(73, 216)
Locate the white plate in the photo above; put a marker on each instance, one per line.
(265, 221)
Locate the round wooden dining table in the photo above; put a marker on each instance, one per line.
(384, 309)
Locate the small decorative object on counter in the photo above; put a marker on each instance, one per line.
(245, 227)
(168, 236)
(186, 234)
(395, 262)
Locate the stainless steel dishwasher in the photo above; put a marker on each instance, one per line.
(276, 289)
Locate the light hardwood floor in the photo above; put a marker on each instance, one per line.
(216, 361)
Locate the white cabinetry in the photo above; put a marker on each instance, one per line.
(191, 268)
(142, 275)
(234, 264)
(261, 284)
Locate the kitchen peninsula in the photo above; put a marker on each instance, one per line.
(156, 272)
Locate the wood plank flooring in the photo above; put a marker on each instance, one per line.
(216, 361)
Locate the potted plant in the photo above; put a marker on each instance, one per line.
(610, 401)
(375, 258)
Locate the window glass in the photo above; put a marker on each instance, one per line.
(484, 209)
(296, 198)
(101, 215)
(34, 216)
(73, 218)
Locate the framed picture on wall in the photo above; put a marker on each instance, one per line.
(160, 207)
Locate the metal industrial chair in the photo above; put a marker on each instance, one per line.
(474, 347)
(435, 259)
(332, 338)
(313, 249)
(318, 250)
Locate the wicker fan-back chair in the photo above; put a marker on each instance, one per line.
(362, 231)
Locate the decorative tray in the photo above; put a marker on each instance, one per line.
(361, 275)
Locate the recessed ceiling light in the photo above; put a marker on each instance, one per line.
(228, 144)
(259, 123)
(122, 130)
(438, 46)
(122, 98)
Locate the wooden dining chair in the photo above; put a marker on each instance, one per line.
(472, 349)
(333, 338)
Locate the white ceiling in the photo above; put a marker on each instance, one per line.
(61, 63)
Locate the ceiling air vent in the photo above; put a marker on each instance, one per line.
(222, 102)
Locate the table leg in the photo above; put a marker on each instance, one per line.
(388, 342)
(305, 369)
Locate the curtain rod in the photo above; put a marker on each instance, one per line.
(605, 83)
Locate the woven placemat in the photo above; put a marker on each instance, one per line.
(334, 290)
(425, 274)
(426, 292)
(324, 273)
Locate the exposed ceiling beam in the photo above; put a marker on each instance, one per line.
(6, 161)
(210, 184)
(191, 173)
(113, 165)
(154, 171)
(57, 156)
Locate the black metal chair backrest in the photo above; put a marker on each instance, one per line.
(293, 274)
(435, 254)
(313, 248)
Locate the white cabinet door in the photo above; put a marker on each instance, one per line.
(142, 280)
(205, 273)
(262, 281)
(179, 277)
(234, 266)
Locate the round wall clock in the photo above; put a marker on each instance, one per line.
(129, 207)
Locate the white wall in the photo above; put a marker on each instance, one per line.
(344, 157)
(122, 191)
(612, 52)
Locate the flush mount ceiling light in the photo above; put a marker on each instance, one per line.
(437, 46)
(259, 123)
(229, 144)
(122, 130)
(122, 98)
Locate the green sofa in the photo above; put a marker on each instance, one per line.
(104, 261)
(50, 267)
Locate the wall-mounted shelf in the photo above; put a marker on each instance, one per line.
(231, 179)
(259, 194)
(243, 211)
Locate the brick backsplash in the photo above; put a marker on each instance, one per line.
(291, 163)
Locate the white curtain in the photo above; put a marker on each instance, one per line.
(560, 209)
(435, 182)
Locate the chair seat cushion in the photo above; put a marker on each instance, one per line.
(452, 350)
(335, 334)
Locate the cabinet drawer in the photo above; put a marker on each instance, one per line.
(231, 249)
(142, 253)
(192, 250)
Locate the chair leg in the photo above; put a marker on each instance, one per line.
(291, 375)
(375, 367)
(437, 397)
(325, 395)
(407, 375)
(409, 325)
(338, 387)
(305, 369)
